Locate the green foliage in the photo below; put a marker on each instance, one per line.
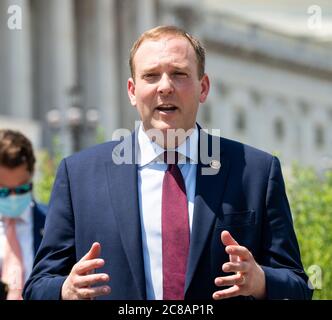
(100, 134)
(46, 169)
(310, 197)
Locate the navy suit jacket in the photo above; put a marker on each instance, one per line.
(96, 199)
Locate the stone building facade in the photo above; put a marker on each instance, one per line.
(65, 72)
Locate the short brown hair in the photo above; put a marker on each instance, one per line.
(15, 150)
(157, 33)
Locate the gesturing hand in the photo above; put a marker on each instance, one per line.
(249, 277)
(81, 278)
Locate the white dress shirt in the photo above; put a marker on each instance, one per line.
(151, 170)
(24, 231)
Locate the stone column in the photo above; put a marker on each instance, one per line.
(15, 78)
(106, 59)
(98, 62)
(146, 15)
(55, 54)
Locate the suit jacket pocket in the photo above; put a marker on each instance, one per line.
(236, 219)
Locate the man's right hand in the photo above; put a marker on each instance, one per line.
(78, 284)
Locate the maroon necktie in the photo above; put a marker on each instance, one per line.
(175, 233)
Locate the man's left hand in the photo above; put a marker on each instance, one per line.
(249, 277)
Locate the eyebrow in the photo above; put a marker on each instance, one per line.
(148, 70)
(175, 67)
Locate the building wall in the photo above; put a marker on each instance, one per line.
(268, 89)
(281, 110)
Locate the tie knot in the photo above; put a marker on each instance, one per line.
(171, 157)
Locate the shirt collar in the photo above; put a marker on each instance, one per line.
(150, 151)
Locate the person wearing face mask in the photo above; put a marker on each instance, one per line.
(21, 218)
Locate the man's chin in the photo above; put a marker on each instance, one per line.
(164, 126)
(168, 135)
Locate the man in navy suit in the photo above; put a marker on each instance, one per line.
(104, 229)
(19, 210)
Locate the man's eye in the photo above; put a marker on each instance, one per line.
(180, 74)
(150, 76)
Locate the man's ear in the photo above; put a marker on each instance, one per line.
(205, 88)
(131, 91)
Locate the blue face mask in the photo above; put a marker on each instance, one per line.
(14, 205)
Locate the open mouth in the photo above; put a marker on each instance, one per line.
(167, 108)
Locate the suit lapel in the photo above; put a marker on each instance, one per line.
(122, 179)
(208, 198)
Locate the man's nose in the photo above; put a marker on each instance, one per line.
(165, 85)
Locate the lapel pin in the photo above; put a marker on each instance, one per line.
(215, 164)
(41, 231)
